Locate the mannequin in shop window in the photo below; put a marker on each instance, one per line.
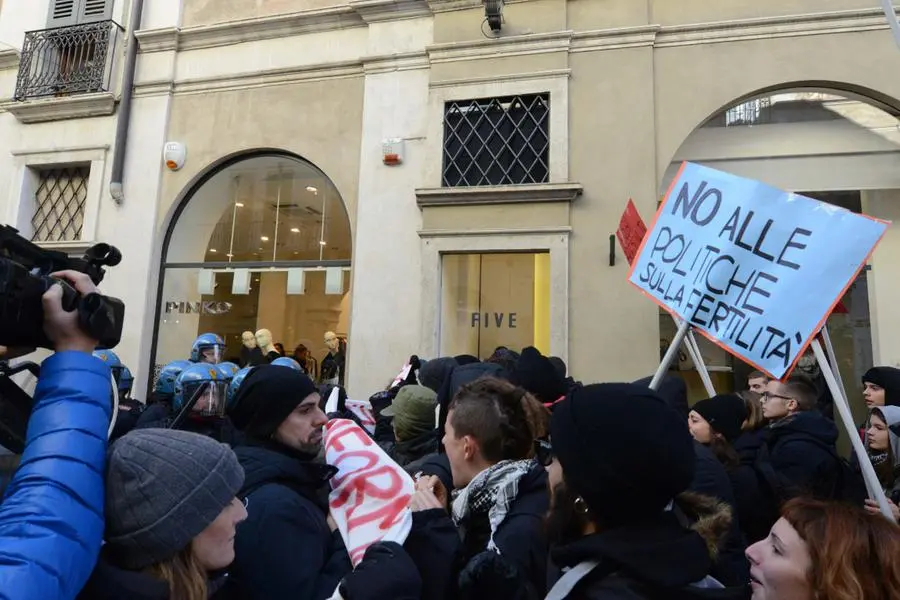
(251, 355)
(264, 340)
(333, 365)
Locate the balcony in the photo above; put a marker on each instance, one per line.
(66, 72)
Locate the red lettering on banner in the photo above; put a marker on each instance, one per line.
(347, 428)
(338, 480)
(389, 514)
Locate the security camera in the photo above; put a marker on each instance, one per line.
(493, 14)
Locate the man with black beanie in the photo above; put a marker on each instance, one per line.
(287, 549)
(620, 460)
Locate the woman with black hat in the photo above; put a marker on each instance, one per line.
(171, 517)
(716, 422)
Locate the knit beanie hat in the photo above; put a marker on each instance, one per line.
(535, 373)
(887, 378)
(623, 450)
(164, 487)
(725, 413)
(413, 411)
(433, 373)
(266, 397)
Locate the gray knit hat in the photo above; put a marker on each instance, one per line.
(163, 487)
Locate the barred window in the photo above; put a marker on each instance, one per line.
(59, 202)
(497, 141)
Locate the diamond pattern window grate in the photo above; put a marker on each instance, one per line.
(59, 204)
(497, 141)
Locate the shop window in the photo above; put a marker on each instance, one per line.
(59, 203)
(262, 244)
(497, 141)
(491, 300)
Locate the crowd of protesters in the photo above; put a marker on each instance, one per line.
(528, 485)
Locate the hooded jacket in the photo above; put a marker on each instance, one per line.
(51, 519)
(892, 418)
(658, 559)
(285, 548)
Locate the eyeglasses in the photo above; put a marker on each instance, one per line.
(768, 396)
(543, 452)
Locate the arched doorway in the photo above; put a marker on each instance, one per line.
(831, 145)
(263, 241)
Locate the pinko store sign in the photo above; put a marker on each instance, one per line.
(198, 308)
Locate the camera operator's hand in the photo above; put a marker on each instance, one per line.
(60, 326)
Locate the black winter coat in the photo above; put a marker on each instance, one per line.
(711, 479)
(656, 560)
(285, 548)
(752, 511)
(801, 451)
(520, 538)
(108, 582)
(111, 583)
(444, 561)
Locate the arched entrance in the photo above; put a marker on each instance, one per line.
(838, 147)
(262, 241)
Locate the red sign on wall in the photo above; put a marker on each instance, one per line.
(631, 231)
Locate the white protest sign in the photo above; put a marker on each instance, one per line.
(334, 397)
(404, 373)
(755, 269)
(363, 411)
(370, 494)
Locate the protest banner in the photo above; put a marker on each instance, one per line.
(333, 402)
(363, 411)
(631, 234)
(631, 231)
(370, 494)
(401, 377)
(755, 269)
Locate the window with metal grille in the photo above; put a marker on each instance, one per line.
(59, 203)
(497, 141)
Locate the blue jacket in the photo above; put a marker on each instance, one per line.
(51, 519)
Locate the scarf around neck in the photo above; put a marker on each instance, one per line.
(492, 492)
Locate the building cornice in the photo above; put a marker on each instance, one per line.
(357, 13)
(285, 76)
(376, 11)
(845, 21)
(515, 45)
(614, 39)
(439, 6)
(501, 194)
(495, 231)
(57, 109)
(9, 59)
(164, 39)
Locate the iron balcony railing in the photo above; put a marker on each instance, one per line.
(65, 61)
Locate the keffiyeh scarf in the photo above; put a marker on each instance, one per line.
(492, 492)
